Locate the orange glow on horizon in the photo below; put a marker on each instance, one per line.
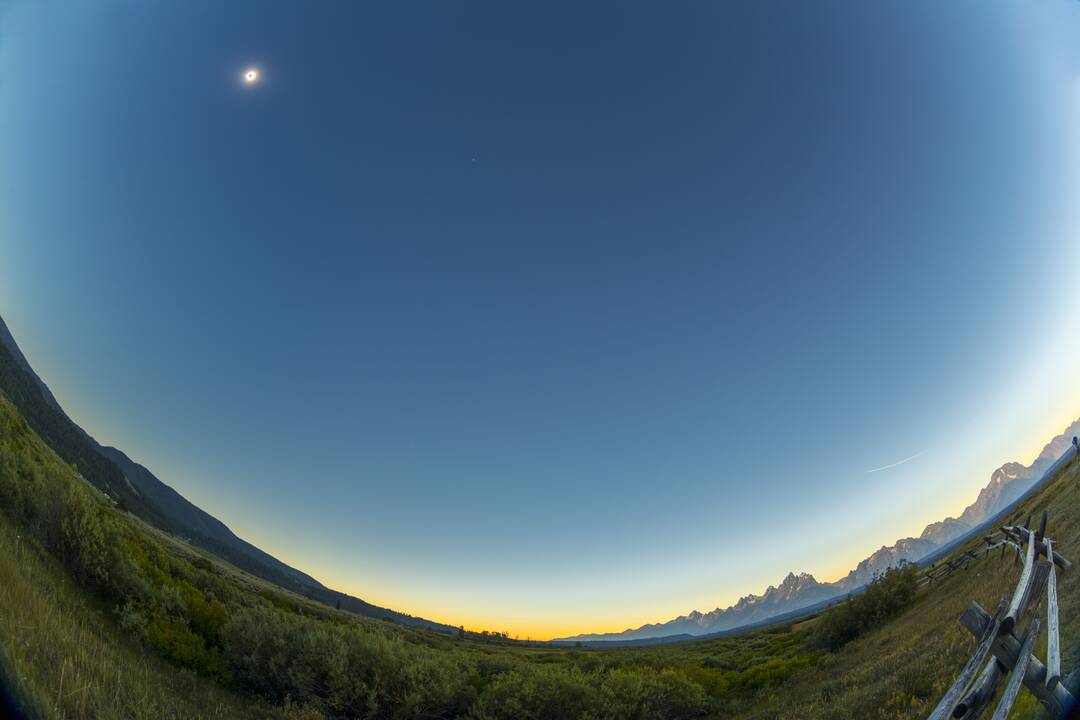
(829, 567)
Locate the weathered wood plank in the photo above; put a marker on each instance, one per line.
(1053, 646)
(977, 700)
(1019, 534)
(1012, 688)
(1059, 560)
(1058, 700)
(955, 693)
(1022, 586)
(1038, 584)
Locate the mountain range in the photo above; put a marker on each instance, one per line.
(136, 489)
(798, 591)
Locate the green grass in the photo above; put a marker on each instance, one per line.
(104, 616)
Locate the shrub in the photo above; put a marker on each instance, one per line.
(540, 693)
(885, 596)
(641, 695)
(176, 641)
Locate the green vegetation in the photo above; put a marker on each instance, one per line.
(62, 436)
(104, 616)
(65, 658)
(886, 596)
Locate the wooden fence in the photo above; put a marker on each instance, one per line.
(1006, 638)
(942, 570)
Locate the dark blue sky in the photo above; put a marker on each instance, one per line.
(539, 317)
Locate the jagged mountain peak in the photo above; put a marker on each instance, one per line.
(800, 590)
(794, 583)
(945, 530)
(799, 578)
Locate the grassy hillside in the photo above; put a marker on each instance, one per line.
(137, 490)
(902, 669)
(64, 658)
(103, 616)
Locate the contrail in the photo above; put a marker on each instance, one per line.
(886, 467)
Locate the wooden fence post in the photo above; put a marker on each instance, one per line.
(1058, 700)
(1053, 647)
(1018, 672)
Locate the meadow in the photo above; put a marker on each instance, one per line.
(104, 616)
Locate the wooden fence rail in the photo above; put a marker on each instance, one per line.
(999, 651)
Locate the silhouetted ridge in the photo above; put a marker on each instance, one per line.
(136, 489)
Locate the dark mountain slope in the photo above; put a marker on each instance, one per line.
(8, 340)
(136, 489)
(68, 441)
(206, 530)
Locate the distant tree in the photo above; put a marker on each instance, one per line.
(338, 605)
(461, 632)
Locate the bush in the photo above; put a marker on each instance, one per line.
(540, 693)
(885, 596)
(550, 692)
(176, 641)
(643, 694)
(342, 669)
